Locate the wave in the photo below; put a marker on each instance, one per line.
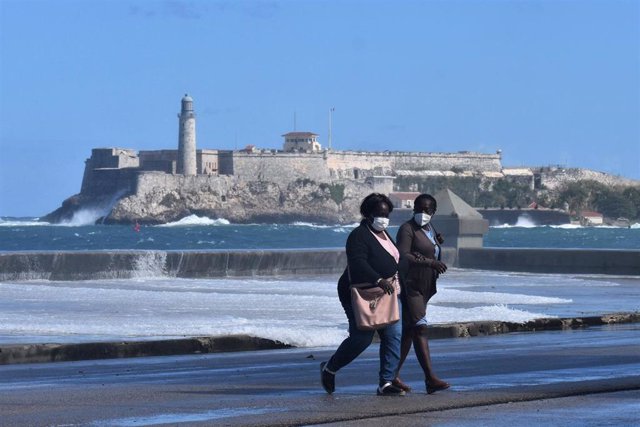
(336, 226)
(146, 308)
(87, 216)
(635, 226)
(152, 305)
(90, 215)
(561, 226)
(567, 226)
(576, 226)
(83, 217)
(150, 264)
(312, 225)
(192, 220)
(22, 222)
(466, 297)
(497, 312)
(523, 221)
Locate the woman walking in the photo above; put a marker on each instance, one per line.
(420, 266)
(372, 257)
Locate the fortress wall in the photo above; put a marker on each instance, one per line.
(392, 161)
(347, 161)
(225, 162)
(113, 158)
(101, 182)
(148, 182)
(278, 167)
(281, 167)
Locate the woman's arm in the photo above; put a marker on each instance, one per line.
(358, 259)
(405, 243)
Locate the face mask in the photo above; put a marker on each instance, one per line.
(380, 223)
(422, 219)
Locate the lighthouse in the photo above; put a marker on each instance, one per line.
(187, 138)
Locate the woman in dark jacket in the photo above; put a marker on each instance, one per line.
(372, 257)
(420, 266)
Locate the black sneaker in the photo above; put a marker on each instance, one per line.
(388, 389)
(327, 378)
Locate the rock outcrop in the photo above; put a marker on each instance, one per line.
(160, 198)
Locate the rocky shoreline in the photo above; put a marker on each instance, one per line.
(161, 200)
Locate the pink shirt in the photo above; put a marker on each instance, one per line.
(393, 251)
(388, 246)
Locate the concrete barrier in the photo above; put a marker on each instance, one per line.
(41, 353)
(95, 265)
(549, 260)
(87, 265)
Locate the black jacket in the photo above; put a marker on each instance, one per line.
(417, 275)
(368, 261)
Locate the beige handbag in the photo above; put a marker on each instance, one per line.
(373, 308)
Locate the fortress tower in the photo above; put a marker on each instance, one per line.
(186, 163)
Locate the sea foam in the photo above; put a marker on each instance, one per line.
(195, 220)
(21, 223)
(300, 312)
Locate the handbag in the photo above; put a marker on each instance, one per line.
(373, 308)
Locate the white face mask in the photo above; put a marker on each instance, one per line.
(380, 223)
(422, 219)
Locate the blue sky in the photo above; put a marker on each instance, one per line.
(547, 82)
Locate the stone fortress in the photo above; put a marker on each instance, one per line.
(301, 182)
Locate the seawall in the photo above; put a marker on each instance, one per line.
(87, 265)
(52, 352)
(535, 216)
(84, 265)
(550, 260)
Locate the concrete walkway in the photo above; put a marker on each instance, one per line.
(613, 409)
(281, 387)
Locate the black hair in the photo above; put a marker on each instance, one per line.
(371, 202)
(425, 197)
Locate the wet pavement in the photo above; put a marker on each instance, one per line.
(585, 377)
(600, 409)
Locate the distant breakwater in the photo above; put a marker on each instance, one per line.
(95, 265)
(88, 265)
(552, 260)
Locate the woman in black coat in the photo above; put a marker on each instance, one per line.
(372, 257)
(420, 266)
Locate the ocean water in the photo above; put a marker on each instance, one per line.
(201, 233)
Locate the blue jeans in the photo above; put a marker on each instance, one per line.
(359, 340)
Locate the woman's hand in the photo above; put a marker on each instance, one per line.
(419, 257)
(386, 285)
(439, 266)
